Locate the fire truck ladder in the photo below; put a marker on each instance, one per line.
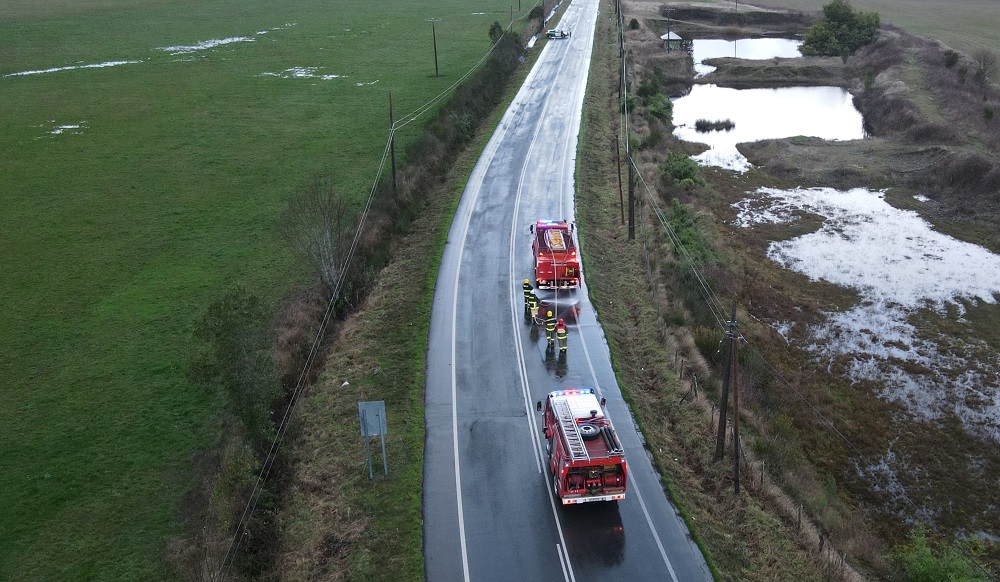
(573, 439)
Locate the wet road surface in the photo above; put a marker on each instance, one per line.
(489, 509)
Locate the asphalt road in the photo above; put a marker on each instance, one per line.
(489, 510)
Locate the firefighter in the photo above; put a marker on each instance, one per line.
(562, 335)
(532, 306)
(550, 329)
(528, 292)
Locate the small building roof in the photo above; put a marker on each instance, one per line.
(671, 36)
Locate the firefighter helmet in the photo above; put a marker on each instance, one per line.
(549, 314)
(527, 281)
(560, 321)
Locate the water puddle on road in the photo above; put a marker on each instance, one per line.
(904, 272)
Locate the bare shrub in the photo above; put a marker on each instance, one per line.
(887, 114)
(318, 225)
(198, 559)
(881, 55)
(984, 66)
(970, 174)
(950, 58)
(931, 133)
(295, 327)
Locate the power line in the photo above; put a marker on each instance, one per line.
(715, 307)
(300, 385)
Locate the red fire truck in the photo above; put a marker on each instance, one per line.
(557, 265)
(585, 456)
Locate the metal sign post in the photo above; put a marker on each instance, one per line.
(372, 415)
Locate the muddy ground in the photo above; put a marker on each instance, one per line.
(930, 135)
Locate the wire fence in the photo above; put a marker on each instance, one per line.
(648, 200)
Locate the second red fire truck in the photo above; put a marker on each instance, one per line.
(585, 456)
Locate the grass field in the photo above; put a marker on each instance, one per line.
(132, 195)
(966, 25)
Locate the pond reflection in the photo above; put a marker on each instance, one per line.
(824, 112)
(744, 48)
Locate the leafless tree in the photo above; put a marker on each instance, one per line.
(318, 224)
(985, 65)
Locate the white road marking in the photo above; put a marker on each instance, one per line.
(519, 350)
(563, 560)
(634, 487)
(487, 159)
(454, 405)
(492, 147)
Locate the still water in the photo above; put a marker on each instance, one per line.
(744, 48)
(824, 112)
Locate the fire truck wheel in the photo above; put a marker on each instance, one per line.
(555, 484)
(589, 432)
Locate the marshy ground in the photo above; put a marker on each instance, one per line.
(877, 304)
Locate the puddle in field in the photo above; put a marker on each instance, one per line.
(204, 45)
(173, 50)
(757, 114)
(70, 128)
(217, 42)
(72, 67)
(52, 127)
(901, 269)
(302, 73)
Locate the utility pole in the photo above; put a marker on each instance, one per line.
(434, 35)
(734, 379)
(618, 160)
(628, 156)
(668, 29)
(631, 195)
(720, 441)
(392, 144)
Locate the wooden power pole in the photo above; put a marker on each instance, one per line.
(734, 380)
(392, 144)
(728, 377)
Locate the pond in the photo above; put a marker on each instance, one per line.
(823, 112)
(744, 48)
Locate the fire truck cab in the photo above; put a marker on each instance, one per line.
(585, 456)
(557, 265)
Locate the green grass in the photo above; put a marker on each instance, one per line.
(349, 526)
(966, 25)
(118, 235)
